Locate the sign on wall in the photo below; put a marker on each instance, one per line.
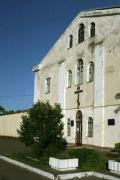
(111, 122)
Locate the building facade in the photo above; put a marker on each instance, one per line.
(82, 73)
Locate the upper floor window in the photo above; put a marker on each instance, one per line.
(92, 29)
(69, 79)
(70, 41)
(90, 72)
(90, 127)
(81, 33)
(79, 72)
(47, 85)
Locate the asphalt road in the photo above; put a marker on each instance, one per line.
(10, 145)
(9, 171)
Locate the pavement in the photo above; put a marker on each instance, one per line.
(11, 145)
(9, 171)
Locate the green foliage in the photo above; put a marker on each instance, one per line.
(89, 159)
(55, 148)
(2, 110)
(117, 147)
(42, 128)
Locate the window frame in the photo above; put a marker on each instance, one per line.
(79, 75)
(68, 127)
(81, 33)
(70, 41)
(90, 73)
(47, 85)
(92, 29)
(69, 79)
(90, 127)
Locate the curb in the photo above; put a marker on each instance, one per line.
(62, 176)
(86, 174)
(30, 168)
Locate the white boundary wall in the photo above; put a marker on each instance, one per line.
(9, 124)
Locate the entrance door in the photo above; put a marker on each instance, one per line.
(79, 128)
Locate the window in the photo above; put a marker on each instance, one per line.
(81, 33)
(79, 72)
(70, 41)
(90, 127)
(47, 85)
(90, 72)
(92, 29)
(68, 127)
(69, 79)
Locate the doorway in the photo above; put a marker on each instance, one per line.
(78, 139)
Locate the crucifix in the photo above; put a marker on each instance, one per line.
(78, 98)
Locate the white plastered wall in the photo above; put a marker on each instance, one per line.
(86, 113)
(112, 132)
(9, 124)
(99, 96)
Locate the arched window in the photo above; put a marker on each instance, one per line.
(92, 29)
(90, 127)
(79, 72)
(81, 33)
(90, 72)
(68, 127)
(69, 79)
(70, 41)
(47, 85)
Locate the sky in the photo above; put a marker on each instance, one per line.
(28, 29)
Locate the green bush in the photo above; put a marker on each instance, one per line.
(55, 148)
(42, 128)
(117, 147)
(88, 159)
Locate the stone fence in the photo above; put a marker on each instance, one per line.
(9, 124)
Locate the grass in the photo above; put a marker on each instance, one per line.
(18, 151)
(43, 162)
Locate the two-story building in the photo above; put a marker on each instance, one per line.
(82, 73)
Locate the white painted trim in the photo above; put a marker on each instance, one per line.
(30, 168)
(85, 174)
(63, 164)
(36, 78)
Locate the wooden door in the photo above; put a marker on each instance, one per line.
(79, 128)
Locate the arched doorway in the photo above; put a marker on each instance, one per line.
(78, 139)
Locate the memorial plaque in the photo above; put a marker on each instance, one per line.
(111, 122)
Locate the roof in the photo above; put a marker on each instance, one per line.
(103, 8)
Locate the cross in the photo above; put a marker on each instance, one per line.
(78, 98)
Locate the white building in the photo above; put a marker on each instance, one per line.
(86, 57)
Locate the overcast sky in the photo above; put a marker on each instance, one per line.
(28, 29)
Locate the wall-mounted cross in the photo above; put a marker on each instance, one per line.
(78, 98)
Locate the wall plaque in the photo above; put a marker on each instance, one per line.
(111, 122)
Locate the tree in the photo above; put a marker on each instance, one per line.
(42, 126)
(2, 110)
